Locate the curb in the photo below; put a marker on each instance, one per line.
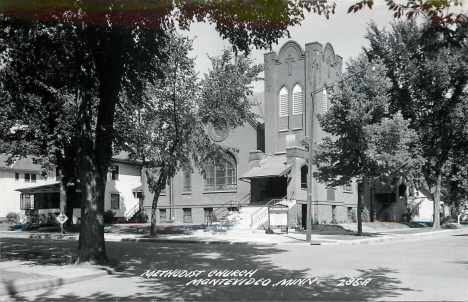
(13, 288)
(188, 241)
(54, 236)
(317, 241)
(387, 238)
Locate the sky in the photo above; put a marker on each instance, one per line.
(344, 31)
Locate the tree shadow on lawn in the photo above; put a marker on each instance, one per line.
(134, 259)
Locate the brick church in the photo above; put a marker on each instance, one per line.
(272, 161)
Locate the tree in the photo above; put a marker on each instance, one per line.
(429, 79)
(38, 113)
(455, 184)
(115, 42)
(437, 12)
(368, 142)
(169, 129)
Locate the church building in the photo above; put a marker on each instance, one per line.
(294, 80)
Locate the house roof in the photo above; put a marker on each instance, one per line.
(28, 163)
(48, 188)
(272, 167)
(24, 163)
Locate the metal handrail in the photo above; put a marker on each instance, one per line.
(263, 207)
(132, 212)
(231, 202)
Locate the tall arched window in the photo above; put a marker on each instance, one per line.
(304, 173)
(283, 102)
(297, 100)
(221, 176)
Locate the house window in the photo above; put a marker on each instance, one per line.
(304, 172)
(330, 193)
(220, 177)
(297, 100)
(187, 180)
(162, 215)
(187, 215)
(16, 176)
(26, 202)
(283, 102)
(115, 201)
(350, 214)
(115, 173)
(29, 177)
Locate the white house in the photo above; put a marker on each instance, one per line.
(22, 188)
(23, 173)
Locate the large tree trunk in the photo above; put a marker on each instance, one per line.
(94, 159)
(91, 243)
(160, 184)
(438, 186)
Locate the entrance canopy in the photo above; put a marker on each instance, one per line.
(273, 167)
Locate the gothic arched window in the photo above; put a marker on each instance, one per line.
(283, 102)
(297, 100)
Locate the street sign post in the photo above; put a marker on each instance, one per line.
(62, 218)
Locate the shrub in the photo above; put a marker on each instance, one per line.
(12, 218)
(449, 225)
(365, 215)
(109, 216)
(33, 217)
(412, 209)
(353, 216)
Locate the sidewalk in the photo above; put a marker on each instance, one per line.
(370, 235)
(21, 276)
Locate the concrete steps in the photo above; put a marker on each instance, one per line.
(241, 220)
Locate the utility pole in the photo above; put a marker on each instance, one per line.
(311, 154)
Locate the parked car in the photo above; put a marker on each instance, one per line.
(24, 227)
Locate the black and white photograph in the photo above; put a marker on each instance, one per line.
(244, 150)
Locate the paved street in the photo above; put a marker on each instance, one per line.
(432, 268)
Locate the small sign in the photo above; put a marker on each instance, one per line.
(62, 218)
(278, 216)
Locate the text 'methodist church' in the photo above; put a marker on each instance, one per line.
(271, 164)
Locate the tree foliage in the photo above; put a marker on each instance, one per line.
(368, 141)
(169, 132)
(429, 87)
(436, 11)
(37, 105)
